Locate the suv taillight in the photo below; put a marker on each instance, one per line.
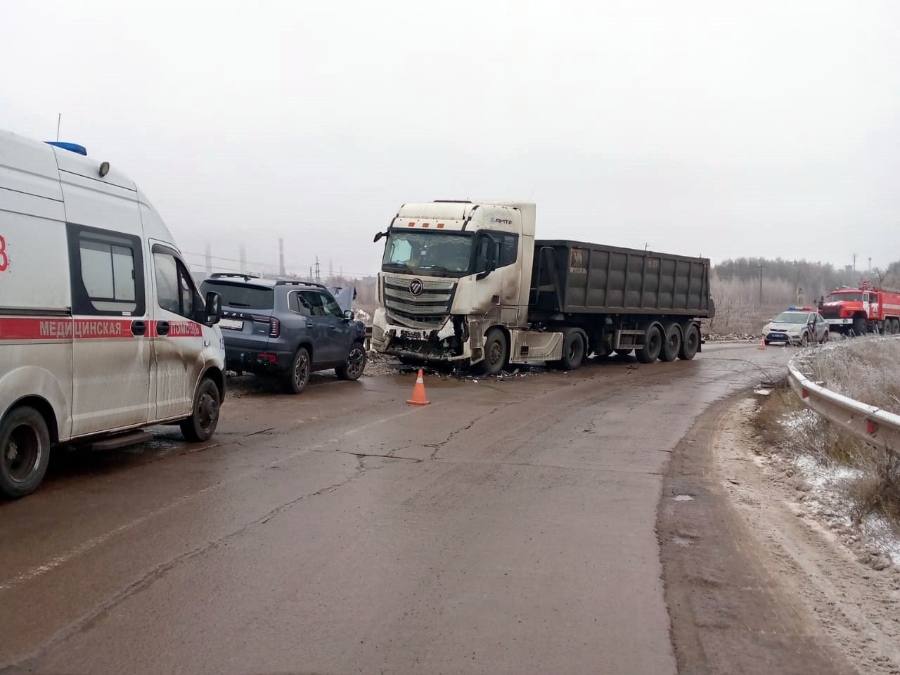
(274, 327)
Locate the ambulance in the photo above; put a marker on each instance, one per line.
(102, 329)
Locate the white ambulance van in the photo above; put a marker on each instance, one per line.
(102, 329)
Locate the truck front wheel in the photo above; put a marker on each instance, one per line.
(860, 326)
(496, 352)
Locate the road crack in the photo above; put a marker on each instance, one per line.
(158, 572)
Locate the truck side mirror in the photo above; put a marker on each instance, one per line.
(378, 236)
(213, 308)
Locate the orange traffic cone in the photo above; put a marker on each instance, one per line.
(762, 343)
(418, 396)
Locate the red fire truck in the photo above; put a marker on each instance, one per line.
(867, 309)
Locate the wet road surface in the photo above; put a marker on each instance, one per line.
(508, 527)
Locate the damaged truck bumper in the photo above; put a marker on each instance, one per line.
(449, 343)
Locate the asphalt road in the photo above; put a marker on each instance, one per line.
(508, 527)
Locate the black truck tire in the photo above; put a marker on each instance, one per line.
(691, 342)
(653, 342)
(672, 343)
(496, 352)
(573, 351)
(860, 326)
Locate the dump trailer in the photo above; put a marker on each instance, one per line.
(468, 283)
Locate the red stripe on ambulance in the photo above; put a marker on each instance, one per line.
(51, 328)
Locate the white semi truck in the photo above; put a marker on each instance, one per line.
(468, 283)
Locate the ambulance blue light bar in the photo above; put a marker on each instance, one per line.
(71, 147)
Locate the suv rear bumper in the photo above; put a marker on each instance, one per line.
(257, 360)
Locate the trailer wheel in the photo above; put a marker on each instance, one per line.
(496, 352)
(860, 326)
(672, 345)
(24, 452)
(201, 425)
(691, 343)
(572, 351)
(896, 324)
(653, 342)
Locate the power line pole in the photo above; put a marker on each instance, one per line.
(243, 259)
(760, 268)
(318, 277)
(281, 257)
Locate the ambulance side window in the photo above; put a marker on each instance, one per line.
(175, 290)
(106, 272)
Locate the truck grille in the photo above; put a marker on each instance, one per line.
(429, 309)
(831, 312)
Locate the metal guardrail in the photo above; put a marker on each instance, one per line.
(874, 425)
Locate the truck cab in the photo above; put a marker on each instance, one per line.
(449, 270)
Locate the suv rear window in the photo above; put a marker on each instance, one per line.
(252, 297)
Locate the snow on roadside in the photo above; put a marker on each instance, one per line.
(874, 541)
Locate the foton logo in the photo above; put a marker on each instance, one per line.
(416, 287)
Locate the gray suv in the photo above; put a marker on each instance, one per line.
(287, 329)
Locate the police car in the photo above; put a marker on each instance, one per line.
(797, 326)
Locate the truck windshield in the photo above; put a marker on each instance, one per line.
(428, 253)
(844, 297)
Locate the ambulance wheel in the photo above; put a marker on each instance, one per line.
(201, 425)
(25, 448)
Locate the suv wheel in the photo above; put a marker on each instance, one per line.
(298, 375)
(354, 365)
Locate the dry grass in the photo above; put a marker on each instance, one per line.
(789, 428)
(866, 370)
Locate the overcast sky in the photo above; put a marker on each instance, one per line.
(710, 127)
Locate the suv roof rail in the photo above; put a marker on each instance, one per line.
(232, 275)
(298, 282)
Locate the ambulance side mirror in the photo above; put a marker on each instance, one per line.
(213, 308)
